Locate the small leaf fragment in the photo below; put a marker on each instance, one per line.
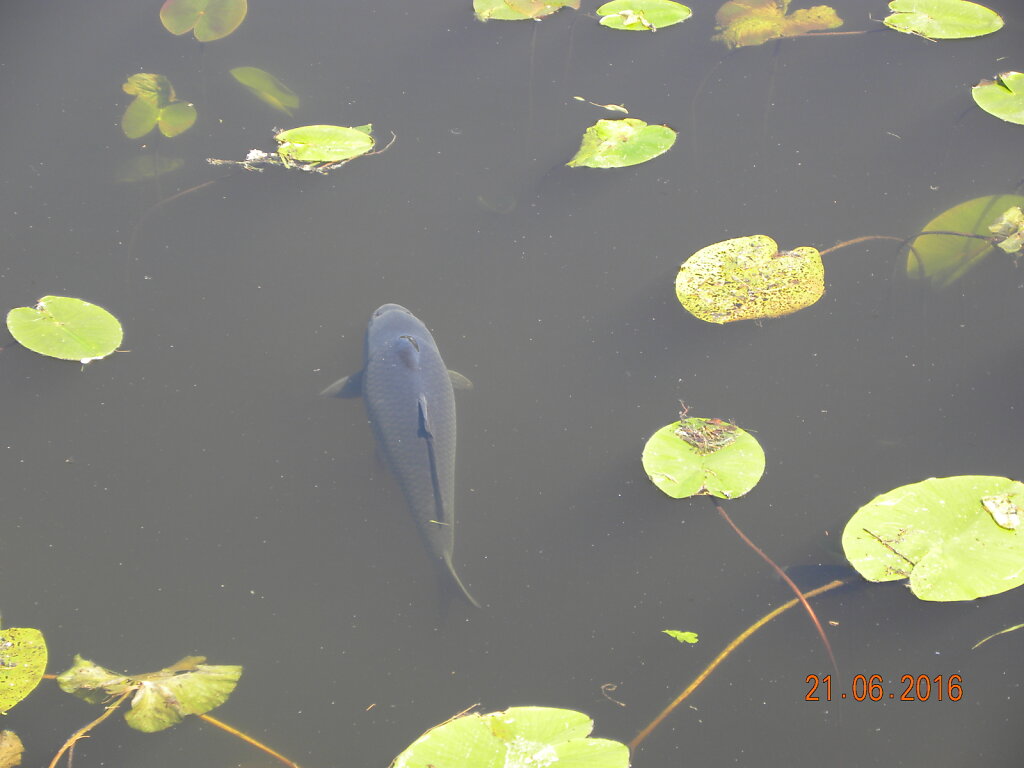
(682, 637)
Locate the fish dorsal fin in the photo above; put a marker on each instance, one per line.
(349, 386)
(408, 349)
(426, 430)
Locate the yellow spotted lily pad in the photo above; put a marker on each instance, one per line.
(748, 278)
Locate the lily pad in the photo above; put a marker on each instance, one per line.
(11, 749)
(267, 88)
(703, 457)
(940, 535)
(519, 737)
(1002, 97)
(66, 328)
(618, 143)
(942, 19)
(748, 278)
(754, 22)
(211, 19)
(519, 10)
(642, 15)
(155, 104)
(22, 664)
(324, 143)
(162, 698)
(944, 259)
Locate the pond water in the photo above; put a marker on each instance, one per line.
(193, 495)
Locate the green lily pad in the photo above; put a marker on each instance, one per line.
(944, 259)
(267, 88)
(162, 698)
(682, 637)
(22, 664)
(942, 19)
(323, 143)
(703, 457)
(754, 22)
(1002, 97)
(519, 10)
(642, 15)
(519, 737)
(941, 534)
(211, 19)
(749, 278)
(155, 103)
(66, 328)
(618, 143)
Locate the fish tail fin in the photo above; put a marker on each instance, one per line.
(453, 584)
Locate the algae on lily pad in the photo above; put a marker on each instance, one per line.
(943, 259)
(519, 737)
(324, 143)
(155, 104)
(519, 10)
(162, 698)
(697, 456)
(267, 88)
(1002, 97)
(66, 328)
(22, 664)
(754, 22)
(211, 19)
(942, 19)
(619, 143)
(749, 278)
(940, 533)
(642, 15)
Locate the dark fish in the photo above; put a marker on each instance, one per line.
(410, 400)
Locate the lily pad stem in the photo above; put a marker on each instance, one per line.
(639, 738)
(248, 739)
(789, 582)
(82, 732)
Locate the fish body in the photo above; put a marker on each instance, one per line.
(410, 401)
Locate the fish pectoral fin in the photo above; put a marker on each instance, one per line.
(425, 428)
(459, 381)
(349, 386)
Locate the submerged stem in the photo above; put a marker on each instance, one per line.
(639, 738)
(82, 732)
(249, 739)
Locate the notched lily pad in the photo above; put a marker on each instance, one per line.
(942, 19)
(519, 10)
(754, 22)
(943, 535)
(211, 19)
(519, 737)
(642, 15)
(748, 278)
(1002, 97)
(619, 143)
(66, 328)
(22, 664)
(697, 456)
